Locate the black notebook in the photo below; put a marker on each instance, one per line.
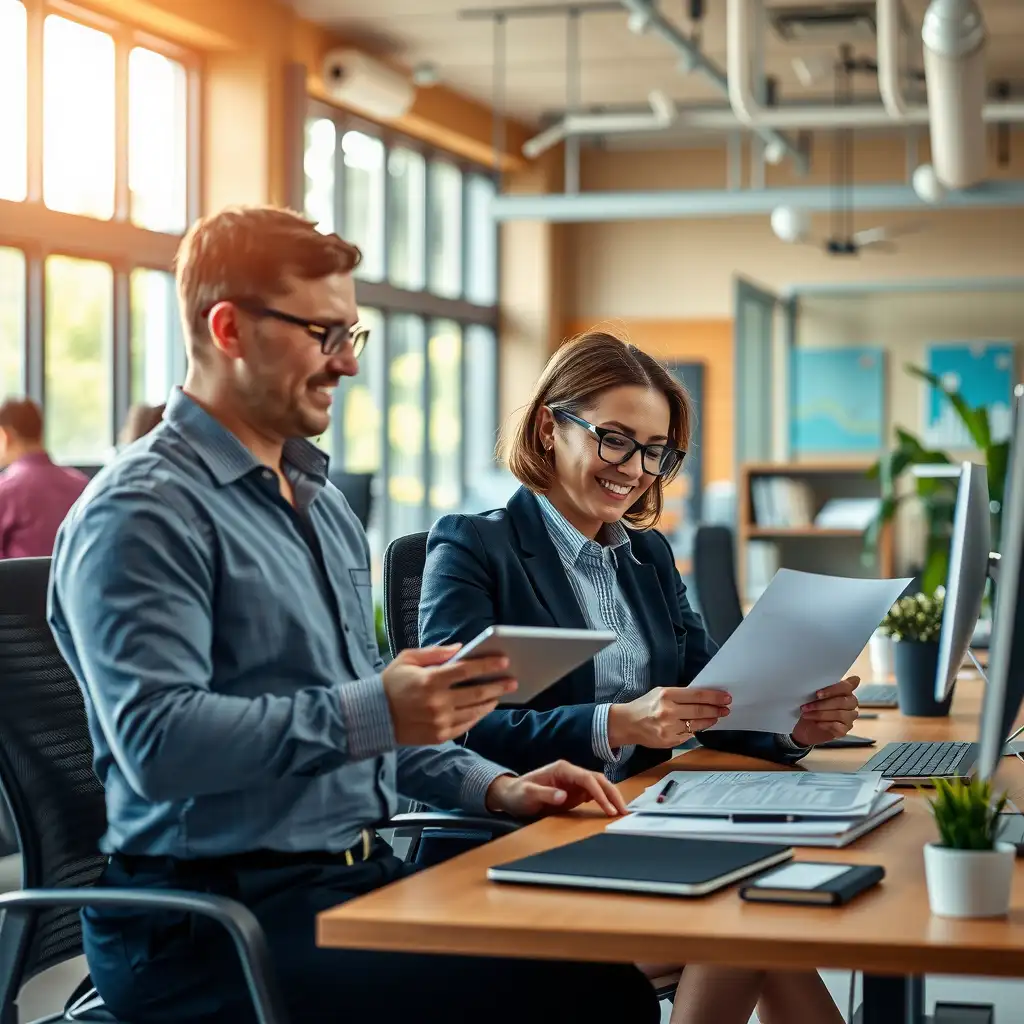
(646, 864)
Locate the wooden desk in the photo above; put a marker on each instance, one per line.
(452, 908)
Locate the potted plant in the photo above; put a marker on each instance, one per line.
(937, 495)
(969, 872)
(913, 623)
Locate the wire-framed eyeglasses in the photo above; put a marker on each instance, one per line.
(617, 448)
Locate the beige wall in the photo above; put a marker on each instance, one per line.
(685, 268)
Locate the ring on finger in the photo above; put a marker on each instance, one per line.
(689, 728)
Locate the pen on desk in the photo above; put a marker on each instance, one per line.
(764, 819)
(669, 786)
(868, 714)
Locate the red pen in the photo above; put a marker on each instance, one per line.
(669, 786)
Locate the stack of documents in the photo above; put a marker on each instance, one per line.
(796, 808)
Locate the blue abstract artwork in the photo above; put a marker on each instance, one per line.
(983, 372)
(836, 400)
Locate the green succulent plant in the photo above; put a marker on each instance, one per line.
(916, 617)
(966, 813)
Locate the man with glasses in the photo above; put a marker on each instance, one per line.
(213, 597)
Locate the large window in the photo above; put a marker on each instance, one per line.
(78, 118)
(157, 136)
(13, 100)
(12, 321)
(157, 346)
(79, 376)
(363, 217)
(422, 414)
(96, 188)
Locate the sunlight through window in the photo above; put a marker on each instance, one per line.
(78, 118)
(13, 100)
(79, 364)
(157, 136)
(12, 322)
(318, 164)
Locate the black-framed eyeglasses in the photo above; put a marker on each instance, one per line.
(616, 448)
(331, 337)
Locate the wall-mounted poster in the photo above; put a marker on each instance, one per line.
(836, 400)
(983, 373)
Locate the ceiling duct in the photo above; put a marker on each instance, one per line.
(954, 40)
(824, 25)
(645, 17)
(660, 116)
(808, 116)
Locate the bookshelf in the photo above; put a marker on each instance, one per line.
(777, 508)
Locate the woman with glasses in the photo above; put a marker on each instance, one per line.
(606, 428)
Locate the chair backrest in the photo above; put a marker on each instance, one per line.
(46, 773)
(358, 491)
(714, 574)
(404, 560)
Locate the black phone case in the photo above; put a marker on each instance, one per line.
(840, 890)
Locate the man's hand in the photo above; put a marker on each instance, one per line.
(665, 716)
(832, 714)
(425, 709)
(556, 787)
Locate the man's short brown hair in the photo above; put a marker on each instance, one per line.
(573, 381)
(23, 418)
(246, 252)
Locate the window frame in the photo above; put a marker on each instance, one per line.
(390, 300)
(39, 232)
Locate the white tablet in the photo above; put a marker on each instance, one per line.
(538, 656)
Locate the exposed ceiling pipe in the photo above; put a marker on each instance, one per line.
(890, 84)
(954, 40)
(661, 116)
(595, 207)
(874, 115)
(644, 16)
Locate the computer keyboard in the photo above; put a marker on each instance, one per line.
(877, 695)
(923, 761)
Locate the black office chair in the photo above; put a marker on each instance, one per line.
(358, 491)
(404, 560)
(714, 574)
(58, 812)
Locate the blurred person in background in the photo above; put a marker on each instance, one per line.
(35, 494)
(141, 419)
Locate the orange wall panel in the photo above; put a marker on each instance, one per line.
(706, 341)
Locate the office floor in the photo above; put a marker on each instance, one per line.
(46, 994)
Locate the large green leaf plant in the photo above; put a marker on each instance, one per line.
(937, 495)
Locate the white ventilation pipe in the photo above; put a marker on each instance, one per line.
(863, 115)
(661, 116)
(954, 69)
(890, 82)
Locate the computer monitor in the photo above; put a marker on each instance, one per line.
(1005, 685)
(968, 575)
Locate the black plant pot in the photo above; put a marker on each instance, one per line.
(916, 664)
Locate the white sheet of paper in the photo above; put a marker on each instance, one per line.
(722, 793)
(802, 635)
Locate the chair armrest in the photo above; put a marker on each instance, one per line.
(240, 922)
(414, 822)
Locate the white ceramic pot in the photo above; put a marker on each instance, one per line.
(881, 655)
(969, 883)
